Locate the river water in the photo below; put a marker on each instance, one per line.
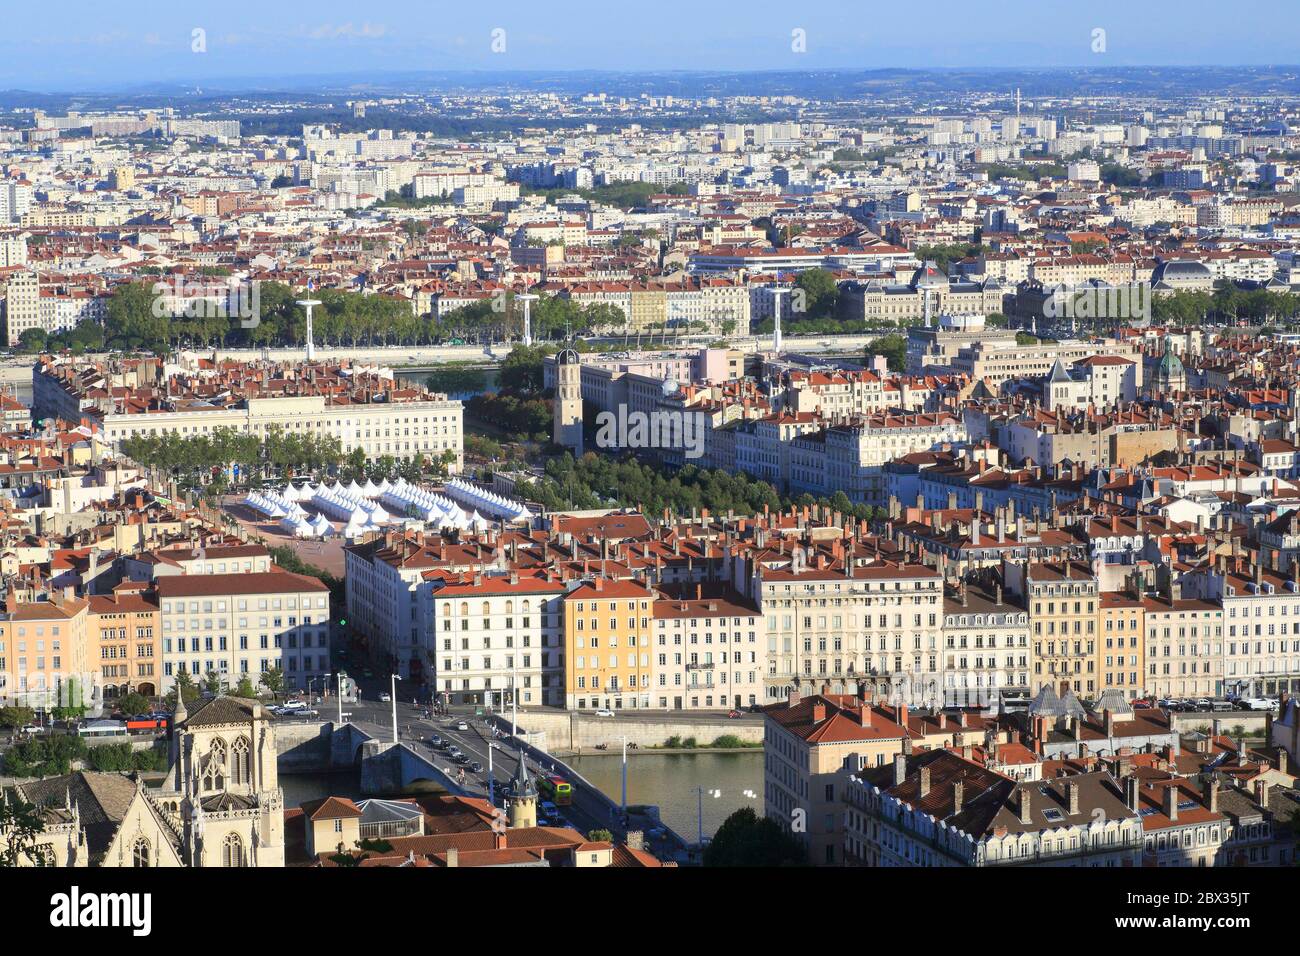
(670, 780)
(667, 780)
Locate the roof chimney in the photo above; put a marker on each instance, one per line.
(1171, 801)
(1026, 805)
(1131, 792)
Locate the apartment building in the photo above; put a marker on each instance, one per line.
(810, 744)
(242, 625)
(880, 623)
(938, 809)
(495, 637)
(708, 653)
(998, 364)
(607, 645)
(124, 628)
(1062, 601)
(986, 649)
(1184, 646)
(1121, 643)
(1261, 646)
(361, 409)
(44, 654)
(850, 457)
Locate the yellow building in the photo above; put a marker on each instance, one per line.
(123, 629)
(1062, 602)
(1120, 645)
(649, 309)
(607, 633)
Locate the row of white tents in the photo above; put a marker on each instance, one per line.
(357, 512)
(367, 490)
(274, 506)
(437, 510)
(318, 527)
(479, 499)
(355, 506)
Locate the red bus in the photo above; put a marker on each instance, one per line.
(146, 723)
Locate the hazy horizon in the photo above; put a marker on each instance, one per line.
(90, 48)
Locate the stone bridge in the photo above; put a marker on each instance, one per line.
(324, 747)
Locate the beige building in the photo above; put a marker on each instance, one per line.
(45, 654)
(242, 625)
(707, 654)
(876, 623)
(810, 745)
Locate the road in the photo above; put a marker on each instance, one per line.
(587, 813)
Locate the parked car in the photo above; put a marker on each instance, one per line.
(603, 712)
(32, 728)
(1257, 703)
(733, 714)
(1202, 704)
(550, 809)
(385, 698)
(1221, 706)
(1140, 702)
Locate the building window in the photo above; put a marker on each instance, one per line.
(232, 851)
(239, 773)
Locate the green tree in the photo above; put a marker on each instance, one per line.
(131, 704)
(273, 680)
(21, 825)
(820, 291)
(32, 340)
(893, 347)
(746, 839)
(15, 718)
(185, 684)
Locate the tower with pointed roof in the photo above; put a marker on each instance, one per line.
(521, 804)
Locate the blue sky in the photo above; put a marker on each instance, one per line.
(77, 45)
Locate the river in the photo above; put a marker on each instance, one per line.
(670, 780)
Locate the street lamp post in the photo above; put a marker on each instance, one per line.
(700, 791)
(514, 701)
(527, 299)
(392, 699)
(492, 793)
(625, 779)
